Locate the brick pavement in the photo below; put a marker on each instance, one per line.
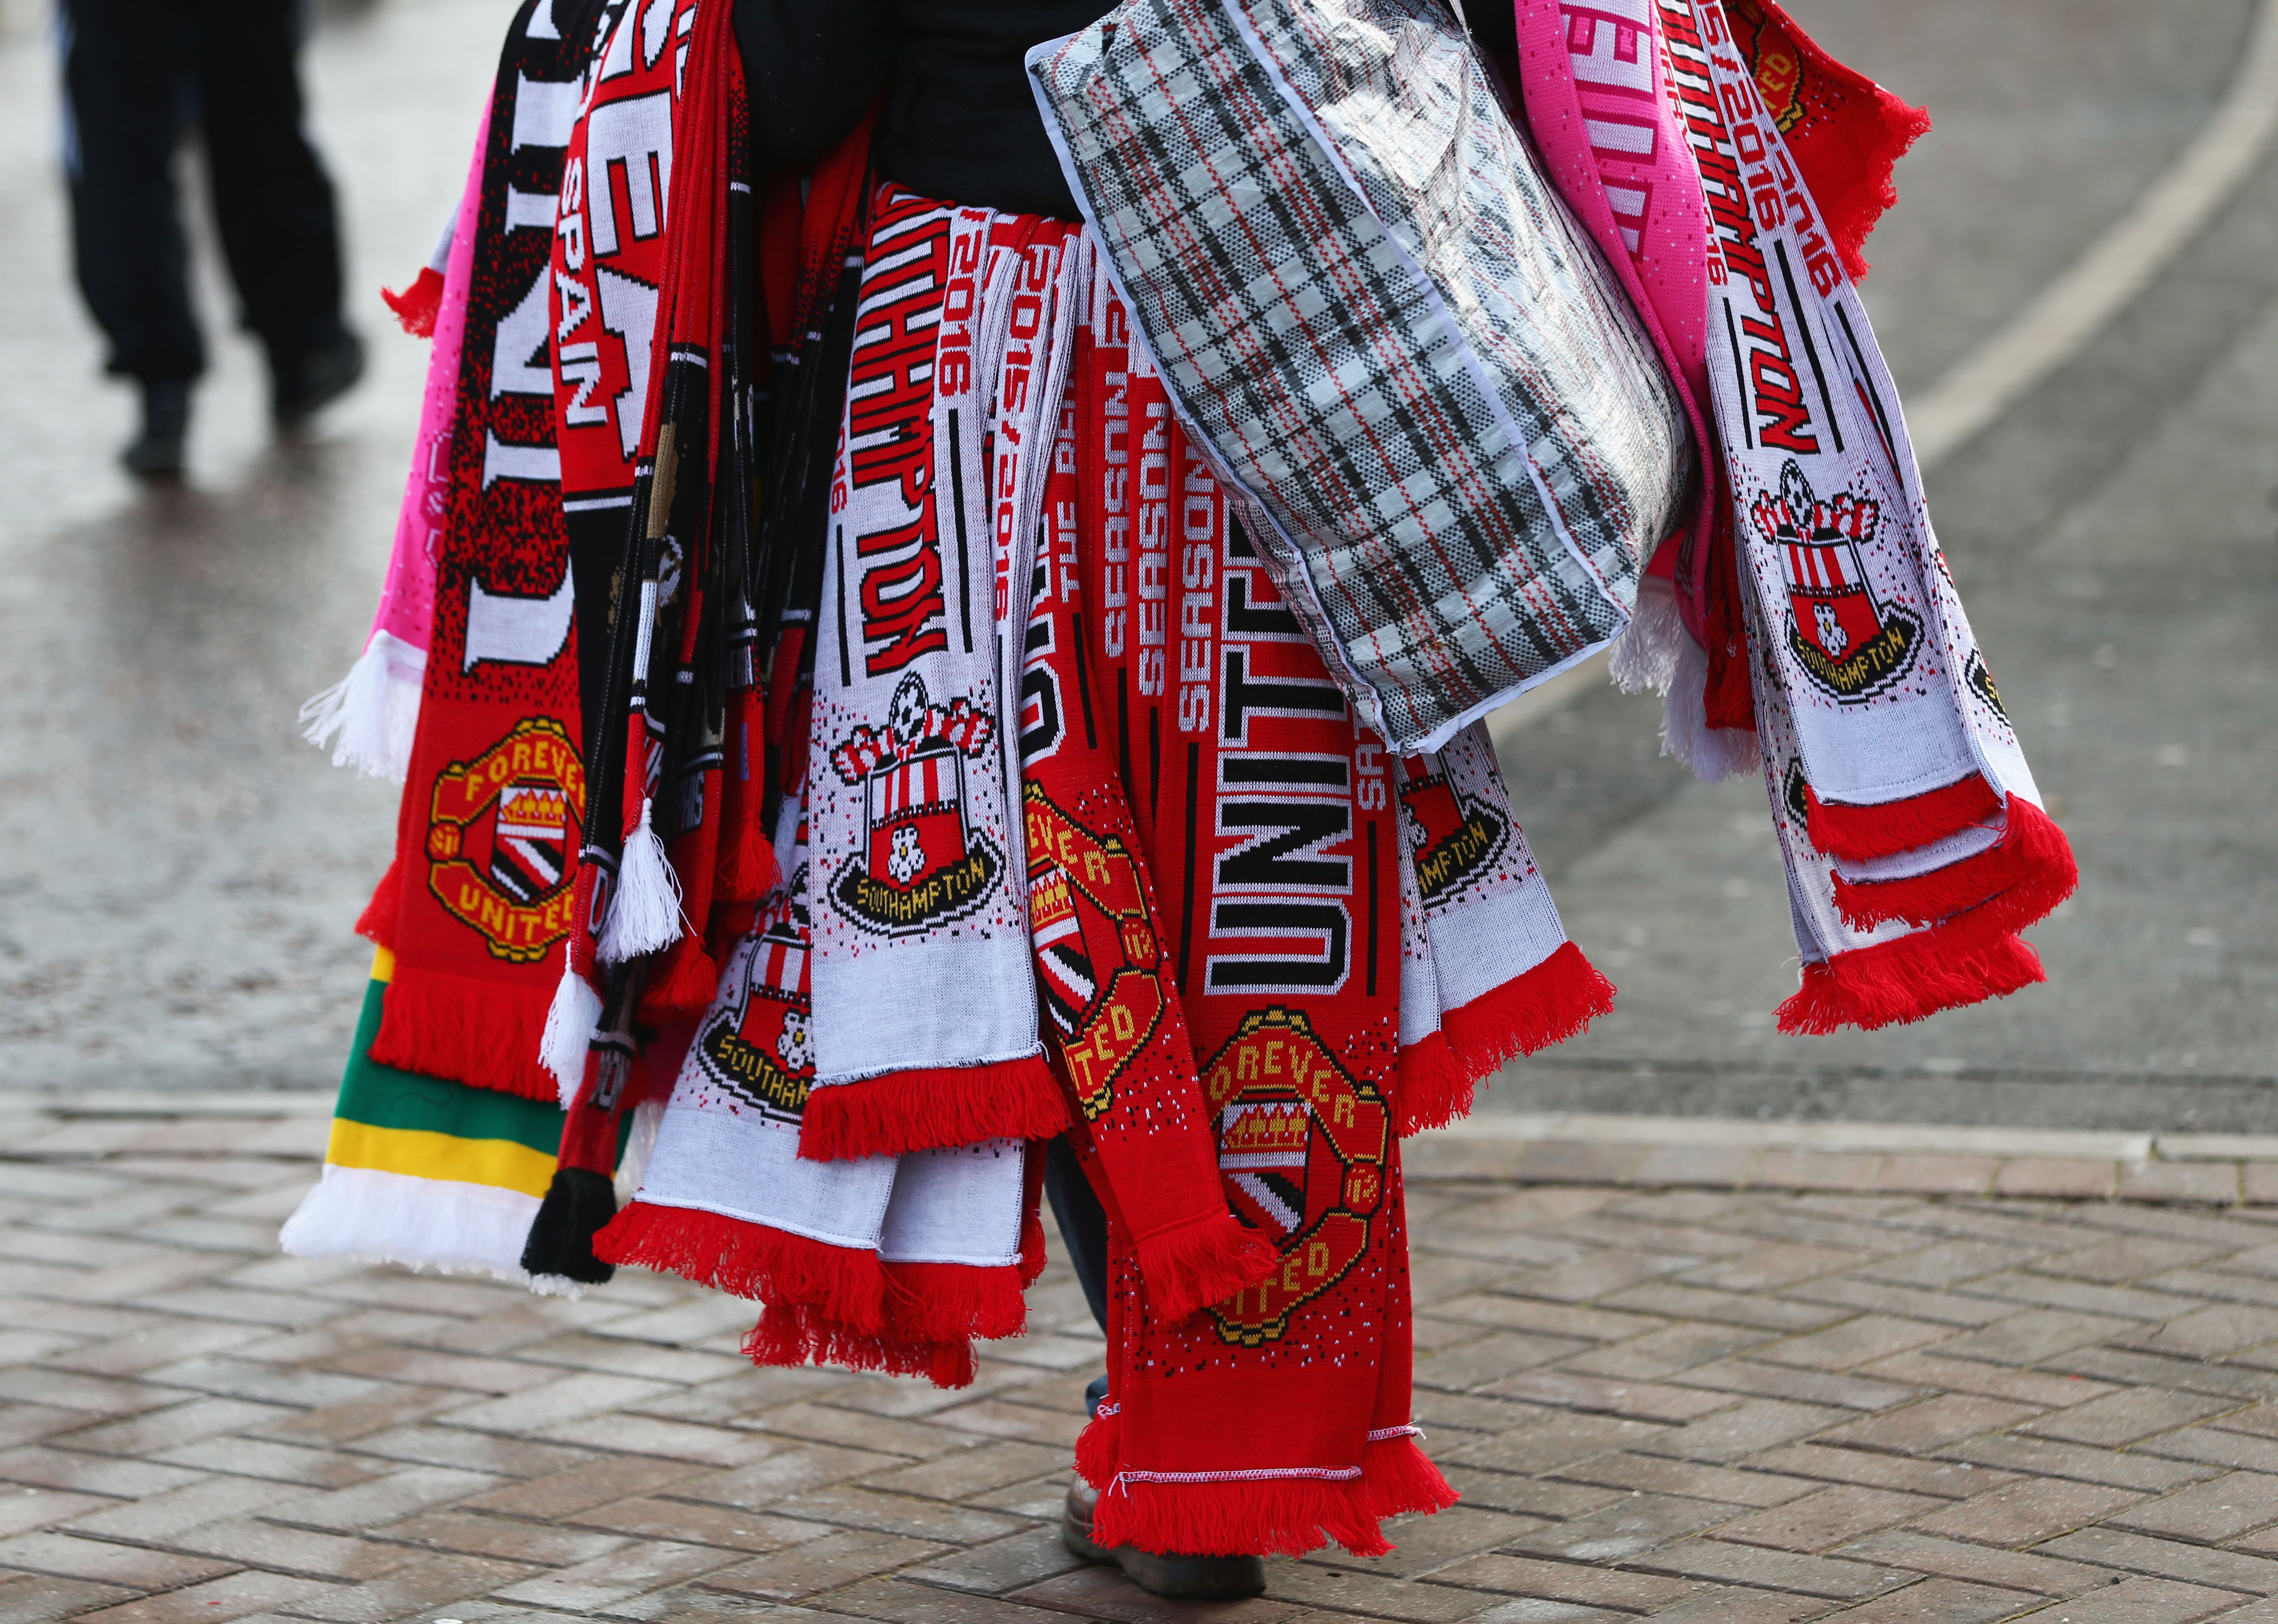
(1694, 1395)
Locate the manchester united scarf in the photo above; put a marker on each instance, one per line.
(478, 899)
(374, 710)
(1264, 818)
(424, 1172)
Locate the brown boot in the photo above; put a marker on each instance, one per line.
(1182, 1578)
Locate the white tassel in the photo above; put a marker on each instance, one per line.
(569, 1022)
(374, 710)
(645, 914)
(1645, 656)
(1712, 752)
(640, 1144)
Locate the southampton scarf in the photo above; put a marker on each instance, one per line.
(424, 1172)
(375, 708)
(1486, 970)
(1885, 715)
(925, 1013)
(478, 898)
(1265, 819)
(877, 1262)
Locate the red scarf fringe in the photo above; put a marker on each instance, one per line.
(1269, 1516)
(798, 1334)
(945, 1302)
(1200, 1263)
(749, 1260)
(377, 923)
(471, 1031)
(931, 1106)
(1550, 1003)
(1908, 979)
(1432, 1089)
(2026, 874)
(1861, 832)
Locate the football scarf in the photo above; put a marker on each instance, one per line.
(878, 1262)
(424, 1172)
(478, 899)
(1264, 817)
(375, 708)
(1888, 731)
(1486, 971)
(925, 1008)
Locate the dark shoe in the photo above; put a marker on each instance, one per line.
(1179, 1578)
(304, 385)
(159, 451)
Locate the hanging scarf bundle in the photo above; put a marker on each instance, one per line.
(1264, 817)
(1486, 971)
(925, 1012)
(1885, 725)
(478, 900)
(375, 708)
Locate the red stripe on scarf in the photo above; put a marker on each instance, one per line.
(1862, 832)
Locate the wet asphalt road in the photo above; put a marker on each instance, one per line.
(179, 872)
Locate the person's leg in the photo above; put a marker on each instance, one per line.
(273, 203)
(122, 90)
(1083, 1227)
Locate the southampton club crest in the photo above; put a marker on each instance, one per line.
(759, 1044)
(502, 829)
(1302, 1149)
(1851, 645)
(1456, 838)
(922, 863)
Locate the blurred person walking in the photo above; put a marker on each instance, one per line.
(136, 74)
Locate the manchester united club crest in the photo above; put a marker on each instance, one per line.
(1456, 838)
(922, 863)
(500, 832)
(1302, 1149)
(758, 1044)
(1851, 645)
(1096, 953)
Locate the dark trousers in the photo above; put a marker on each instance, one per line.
(136, 73)
(1083, 1224)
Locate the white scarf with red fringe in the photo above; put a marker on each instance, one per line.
(1915, 843)
(926, 1008)
(877, 1262)
(1486, 971)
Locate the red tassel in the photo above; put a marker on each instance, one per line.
(748, 867)
(377, 923)
(1272, 1516)
(684, 986)
(1200, 1263)
(748, 1259)
(1032, 1219)
(1550, 1003)
(1842, 830)
(1432, 1089)
(2026, 874)
(415, 307)
(467, 1032)
(1099, 1448)
(797, 1334)
(1907, 978)
(943, 1302)
(932, 1108)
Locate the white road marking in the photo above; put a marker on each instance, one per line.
(2119, 265)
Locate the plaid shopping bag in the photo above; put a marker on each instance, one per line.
(1453, 441)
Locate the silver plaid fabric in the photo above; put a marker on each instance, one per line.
(1380, 318)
